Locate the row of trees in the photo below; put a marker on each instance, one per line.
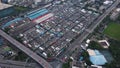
(115, 51)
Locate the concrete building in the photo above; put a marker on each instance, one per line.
(104, 43)
(4, 6)
(77, 64)
(95, 66)
(115, 14)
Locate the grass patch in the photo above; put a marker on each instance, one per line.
(18, 8)
(113, 31)
(21, 57)
(67, 65)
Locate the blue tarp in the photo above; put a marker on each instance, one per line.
(98, 59)
(97, 52)
(11, 22)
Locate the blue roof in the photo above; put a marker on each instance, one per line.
(98, 59)
(33, 11)
(11, 22)
(97, 52)
(81, 58)
(37, 14)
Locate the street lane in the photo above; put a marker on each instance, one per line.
(85, 34)
(27, 51)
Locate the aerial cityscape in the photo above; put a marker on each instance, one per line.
(59, 33)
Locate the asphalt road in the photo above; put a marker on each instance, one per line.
(27, 51)
(72, 47)
(84, 35)
(99, 20)
(16, 64)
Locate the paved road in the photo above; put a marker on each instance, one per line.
(17, 64)
(99, 20)
(84, 35)
(27, 51)
(74, 45)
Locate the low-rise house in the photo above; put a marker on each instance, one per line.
(77, 64)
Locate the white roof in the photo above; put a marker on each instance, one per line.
(3, 6)
(44, 54)
(100, 41)
(108, 2)
(96, 66)
(41, 48)
(118, 9)
(83, 10)
(91, 52)
(36, 46)
(86, 45)
(25, 42)
(29, 45)
(21, 35)
(88, 41)
(74, 67)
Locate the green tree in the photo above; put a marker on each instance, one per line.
(94, 45)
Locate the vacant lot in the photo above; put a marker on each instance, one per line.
(113, 31)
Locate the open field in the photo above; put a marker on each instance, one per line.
(113, 31)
